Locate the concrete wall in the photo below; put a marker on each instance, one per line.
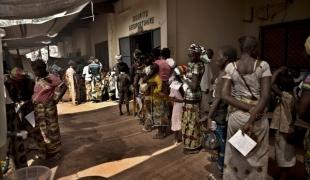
(67, 46)
(182, 22)
(298, 10)
(119, 22)
(98, 32)
(81, 41)
(209, 23)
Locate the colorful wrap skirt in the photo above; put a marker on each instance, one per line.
(156, 111)
(47, 128)
(191, 128)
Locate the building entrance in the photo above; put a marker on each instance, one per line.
(144, 41)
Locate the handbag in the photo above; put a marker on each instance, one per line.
(210, 140)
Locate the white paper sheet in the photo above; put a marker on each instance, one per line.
(175, 85)
(31, 119)
(243, 143)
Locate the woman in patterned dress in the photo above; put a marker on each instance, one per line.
(191, 128)
(47, 92)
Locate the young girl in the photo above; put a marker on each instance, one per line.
(176, 95)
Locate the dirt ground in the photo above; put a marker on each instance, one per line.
(97, 143)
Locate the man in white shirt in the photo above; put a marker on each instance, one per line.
(87, 78)
(205, 83)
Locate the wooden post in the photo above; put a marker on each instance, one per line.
(3, 125)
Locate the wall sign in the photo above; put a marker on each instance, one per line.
(140, 20)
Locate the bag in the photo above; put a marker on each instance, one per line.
(209, 141)
(244, 81)
(94, 69)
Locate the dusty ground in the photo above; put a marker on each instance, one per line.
(100, 144)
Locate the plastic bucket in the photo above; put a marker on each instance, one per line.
(32, 173)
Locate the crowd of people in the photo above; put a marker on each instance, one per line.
(202, 108)
(244, 95)
(32, 119)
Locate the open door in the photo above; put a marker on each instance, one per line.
(102, 53)
(124, 46)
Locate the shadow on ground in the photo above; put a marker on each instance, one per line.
(100, 136)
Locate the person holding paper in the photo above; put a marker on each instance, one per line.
(19, 89)
(48, 90)
(246, 88)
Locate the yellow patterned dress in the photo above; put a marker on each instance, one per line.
(191, 128)
(156, 104)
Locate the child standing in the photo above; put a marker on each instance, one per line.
(176, 95)
(123, 84)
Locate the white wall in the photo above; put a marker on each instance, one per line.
(300, 9)
(119, 22)
(209, 23)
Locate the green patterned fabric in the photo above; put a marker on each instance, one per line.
(46, 119)
(191, 128)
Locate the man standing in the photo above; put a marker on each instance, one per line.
(94, 70)
(205, 83)
(87, 77)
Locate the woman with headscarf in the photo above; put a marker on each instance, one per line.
(19, 90)
(48, 91)
(161, 108)
(191, 128)
(246, 88)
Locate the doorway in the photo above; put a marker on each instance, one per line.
(102, 53)
(144, 41)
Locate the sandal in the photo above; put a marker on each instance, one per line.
(191, 151)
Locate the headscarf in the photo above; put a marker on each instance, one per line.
(17, 73)
(197, 48)
(307, 45)
(171, 62)
(118, 56)
(180, 70)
